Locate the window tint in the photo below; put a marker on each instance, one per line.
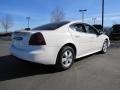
(98, 26)
(78, 27)
(90, 29)
(51, 26)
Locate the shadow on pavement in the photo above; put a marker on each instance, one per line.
(11, 68)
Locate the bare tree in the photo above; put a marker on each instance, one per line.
(57, 15)
(6, 22)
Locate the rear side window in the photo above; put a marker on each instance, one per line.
(51, 26)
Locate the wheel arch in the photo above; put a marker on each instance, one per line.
(71, 45)
(107, 41)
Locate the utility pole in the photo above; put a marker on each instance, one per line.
(82, 12)
(103, 15)
(28, 21)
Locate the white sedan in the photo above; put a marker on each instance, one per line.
(58, 44)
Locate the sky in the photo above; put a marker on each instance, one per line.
(40, 11)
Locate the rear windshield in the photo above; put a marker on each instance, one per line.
(51, 26)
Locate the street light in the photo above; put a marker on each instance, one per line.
(82, 11)
(28, 18)
(103, 15)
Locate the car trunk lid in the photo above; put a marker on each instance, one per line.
(20, 39)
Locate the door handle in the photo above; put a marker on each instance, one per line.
(77, 36)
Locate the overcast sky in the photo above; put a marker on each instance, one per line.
(40, 11)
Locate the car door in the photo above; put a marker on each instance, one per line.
(81, 39)
(95, 38)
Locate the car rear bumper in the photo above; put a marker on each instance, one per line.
(46, 55)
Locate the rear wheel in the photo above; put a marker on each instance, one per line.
(105, 47)
(65, 58)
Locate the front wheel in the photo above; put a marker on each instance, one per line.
(104, 47)
(65, 58)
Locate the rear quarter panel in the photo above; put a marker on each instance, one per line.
(57, 37)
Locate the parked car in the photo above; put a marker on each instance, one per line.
(115, 34)
(116, 29)
(59, 43)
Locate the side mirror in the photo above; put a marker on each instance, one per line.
(100, 32)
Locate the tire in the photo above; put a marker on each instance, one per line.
(104, 47)
(65, 58)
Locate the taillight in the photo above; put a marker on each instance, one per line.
(37, 39)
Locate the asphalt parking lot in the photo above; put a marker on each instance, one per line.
(95, 72)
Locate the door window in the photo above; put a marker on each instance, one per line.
(78, 27)
(90, 30)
